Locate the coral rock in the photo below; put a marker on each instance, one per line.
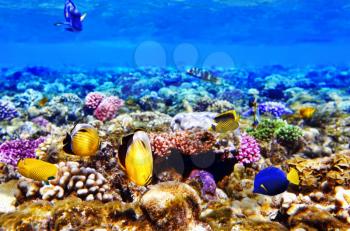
(172, 206)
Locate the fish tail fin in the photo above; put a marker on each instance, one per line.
(82, 18)
(293, 176)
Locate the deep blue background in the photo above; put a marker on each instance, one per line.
(251, 32)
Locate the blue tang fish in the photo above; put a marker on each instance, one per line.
(272, 181)
(74, 19)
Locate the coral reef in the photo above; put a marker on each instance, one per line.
(108, 108)
(12, 151)
(274, 109)
(208, 185)
(93, 99)
(266, 129)
(188, 143)
(288, 134)
(201, 180)
(249, 150)
(7, 112)
(173, 206)
(86, 183)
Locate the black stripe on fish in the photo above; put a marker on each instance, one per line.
(123, 148)
(224, 117)
(67, 144)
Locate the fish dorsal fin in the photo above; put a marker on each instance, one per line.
(293, 176)
(123, 149)
(82, 18)
(224, 116)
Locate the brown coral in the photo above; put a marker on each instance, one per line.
(173, 206)
(335, 170)
(188, 143)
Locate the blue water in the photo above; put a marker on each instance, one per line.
(134, 33)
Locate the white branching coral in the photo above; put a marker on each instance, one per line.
(71, 178)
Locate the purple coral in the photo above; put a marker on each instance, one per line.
(7, 112)
(40, 121)
(208, 183)
(249, 150)
(14, 150)
(275, 109)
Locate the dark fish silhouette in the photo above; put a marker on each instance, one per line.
(74, 19)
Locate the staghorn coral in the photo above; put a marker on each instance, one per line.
(188, 143)
(7, 111)
(86, 183)
(249, 150)
(12, 151)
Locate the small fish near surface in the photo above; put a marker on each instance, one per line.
(135, 156)
(225, 122)
(37, 169)
(203, 74)
(272, 181)
(307, 112)
(73, 18)
(83, 140)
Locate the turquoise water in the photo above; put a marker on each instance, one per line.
(259, 32)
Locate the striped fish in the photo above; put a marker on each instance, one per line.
(225, 122)
(37, 169)
(203, 74)
(135, 157)
(83, 140)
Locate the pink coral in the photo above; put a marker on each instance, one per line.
(249, 150)
(108, 108)
(188, 143)
(93, 99)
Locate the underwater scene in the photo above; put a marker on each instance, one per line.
(175, 115)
